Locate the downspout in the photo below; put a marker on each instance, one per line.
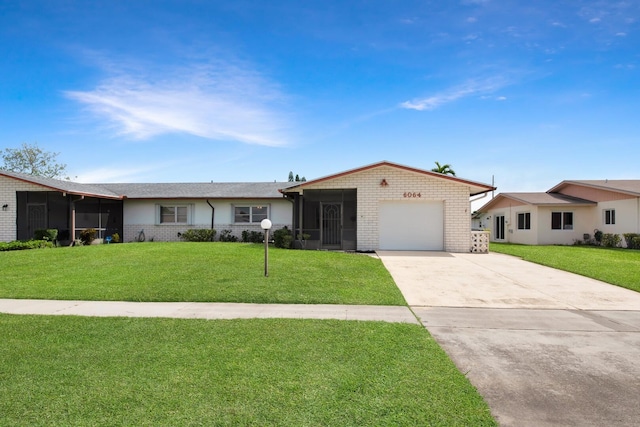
(213, 210)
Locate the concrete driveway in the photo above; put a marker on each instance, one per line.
(544, 347)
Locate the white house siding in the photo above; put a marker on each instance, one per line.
(8, 189)
(370, 193)
(627, 216)
(141, 215)
(583, 220)
(524, 237)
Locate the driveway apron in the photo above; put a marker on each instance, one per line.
(543, 347)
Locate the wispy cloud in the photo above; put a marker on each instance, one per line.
(213, 100)
(470, 88)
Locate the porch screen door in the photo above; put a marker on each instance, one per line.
(331, 225)
(37, 217)
(499, 227)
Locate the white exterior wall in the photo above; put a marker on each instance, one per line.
(8, 189)
(583, 223)
(627, 217)
(142, 215)
(457, 217)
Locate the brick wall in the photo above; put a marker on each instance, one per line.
(457, 218)
(8, 188)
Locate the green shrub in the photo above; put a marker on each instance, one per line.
(115, 238)
(198, 235)
(88, 235)
(17, 245)
(226, 236)
(611, 240)
(252, 236)
(597, 235)
(50, 234)
(283, 238)
(635, 243)
(629, 237)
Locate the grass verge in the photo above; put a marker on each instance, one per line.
(616, 266)
(271, 372)
(181, 271)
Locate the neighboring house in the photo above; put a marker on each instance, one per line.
(380, 206)
(565, 214)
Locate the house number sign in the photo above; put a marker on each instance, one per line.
(410, 195)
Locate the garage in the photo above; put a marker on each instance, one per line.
(411, 225)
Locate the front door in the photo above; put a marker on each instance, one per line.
(331, 223)
(499, 230)
(36, 217)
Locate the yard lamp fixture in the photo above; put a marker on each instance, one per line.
(5, 207)
(266, 226)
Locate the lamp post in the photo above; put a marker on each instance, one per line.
(266, 226)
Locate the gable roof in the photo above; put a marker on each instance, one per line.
(475, 187)
(537, 199)
(64, 186)
(219, 190)
(205, 190)
(626, 186)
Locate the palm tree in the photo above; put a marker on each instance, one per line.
(443, 169)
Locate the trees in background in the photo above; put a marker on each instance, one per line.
(443, 169)
(31, 159)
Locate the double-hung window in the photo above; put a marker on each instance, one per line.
(562, 220)
(173, 214)
(610, 216)
(250, 214)
(524, 221)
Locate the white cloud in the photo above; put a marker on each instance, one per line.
(218, 101)
(470, 88)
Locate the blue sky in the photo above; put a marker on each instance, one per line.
(160, 91)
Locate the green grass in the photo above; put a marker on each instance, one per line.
(80, 371)
(221, 272)
(619, 267)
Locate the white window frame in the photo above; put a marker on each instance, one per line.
(526, 220)
(187, 206)
(254, 218)
(609, 216)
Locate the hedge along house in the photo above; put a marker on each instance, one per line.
(161, 211)
(385, 206)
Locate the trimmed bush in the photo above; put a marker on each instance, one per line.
(252, 236)
(88, 235)
(198, 235)
(611, 240)
(226, 236)
(635, 243)
(50, 234)
(283, 238)
(30, 244)
(629, 240)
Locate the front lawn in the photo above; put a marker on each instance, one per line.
(81, 371)
(619, 267)
(181, 271)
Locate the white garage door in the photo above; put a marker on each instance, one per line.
(411, 225)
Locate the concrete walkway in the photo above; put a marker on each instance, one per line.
(542, 346)
(202, 310)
